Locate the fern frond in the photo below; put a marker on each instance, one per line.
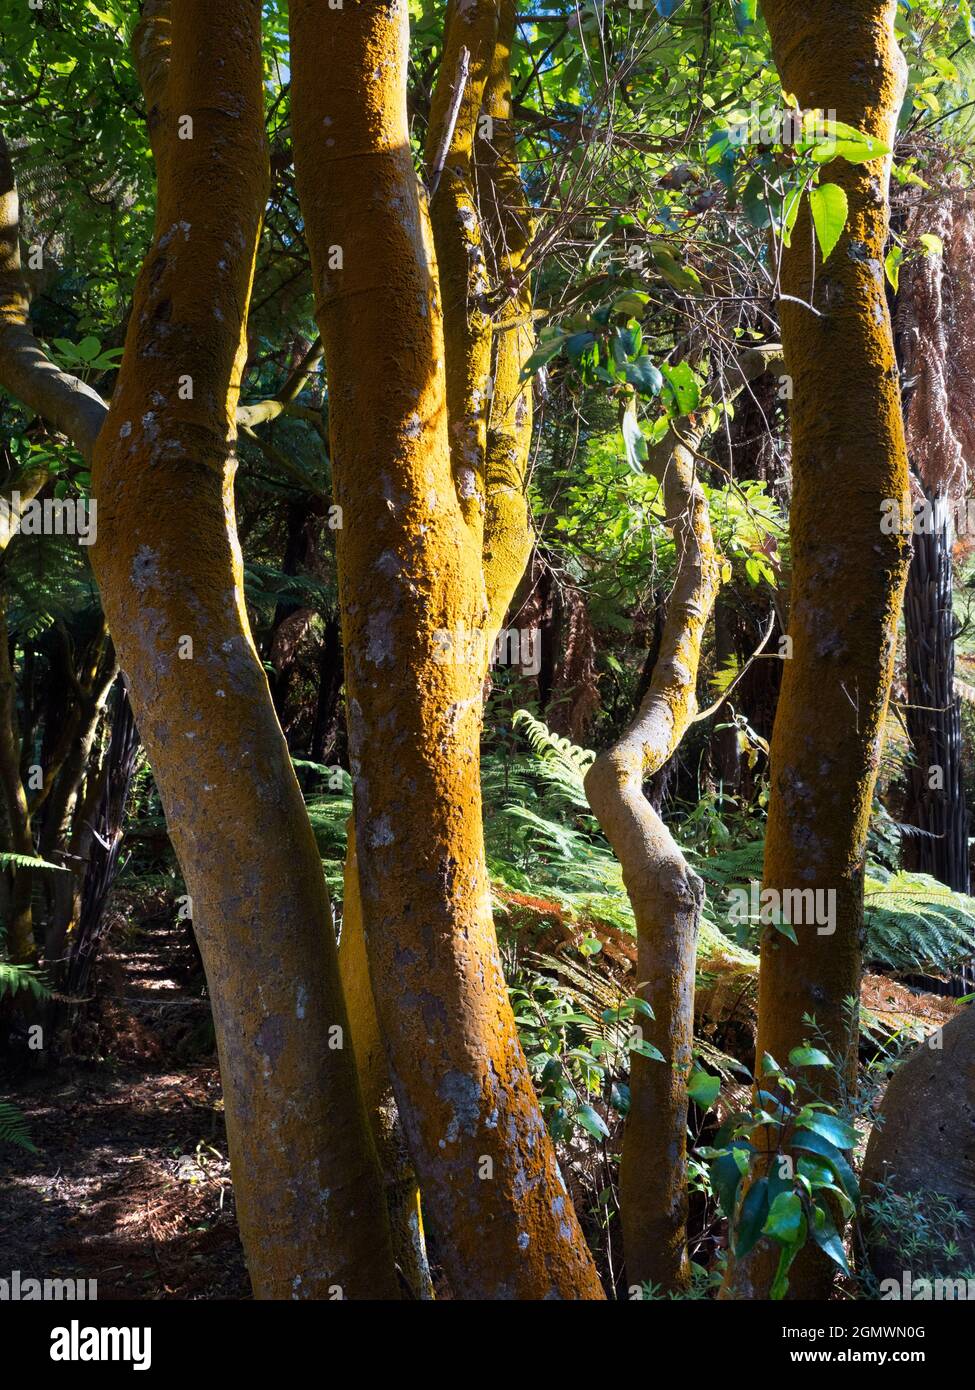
(13, 1128)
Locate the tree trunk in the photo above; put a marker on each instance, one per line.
(411, 581)
(665, 893)
(848, 575)
(306, 1178)
(933, 709)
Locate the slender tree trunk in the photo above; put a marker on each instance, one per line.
(848, 575)
(103, 842)
(306, 1178)
(665, 893)
(399, 1179)
(933, 709)
(19, 926)
(410, 577)
(19, 930)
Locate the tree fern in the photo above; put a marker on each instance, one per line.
(13, 1128)
(913, 922)
(564, 763)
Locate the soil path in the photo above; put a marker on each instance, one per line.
(131, 1184)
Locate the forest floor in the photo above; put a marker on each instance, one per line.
(131, 1184)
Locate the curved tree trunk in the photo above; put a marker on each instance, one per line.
(848, 575)
(410, 580)
(665, 893)
(306, 1179)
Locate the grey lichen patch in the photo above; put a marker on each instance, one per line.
(270, 1038)
(145, 568)
(379, 643)
(463, 1094)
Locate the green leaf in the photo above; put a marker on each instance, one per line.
(644, 376)
(829, 207)
(770, 1066)
(725, 1177)
(542, 354)
(591, 1120)
(933, 245)
(684, 389)
(809, 1057)
(892, 265)
(704, 1088)
(682, 277)
(785, 1219)
(632, 304)
(577, 344)
(831, 1127)
(28, 861)
(88, 349)
(636, 445)
(645, 1049)
(754, 1210)
(787, 929)
(826, 1236)
(810, 1142)
(745, 12)
(780, 1284)
(755, 204)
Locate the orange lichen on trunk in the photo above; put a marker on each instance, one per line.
(470, 29)
(848, 576)
(508, 536)
(306, 1179)
(412, 596)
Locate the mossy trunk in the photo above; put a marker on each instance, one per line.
(848, 575)
(306, 1179)
(411, 580)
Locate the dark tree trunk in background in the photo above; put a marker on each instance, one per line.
(104, 843)
(937, 793)
(933, 713)
(330, 679)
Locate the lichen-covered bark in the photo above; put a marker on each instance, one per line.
(470, 30)
(848, 577)
(504, 209)
(409, 573)
(306, 1179)
(665, 892)
(399, 1179)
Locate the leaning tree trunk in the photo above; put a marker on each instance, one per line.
(665, 893)
(410, 572)
(934, 710)
(306, 1180)
(849, 459)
